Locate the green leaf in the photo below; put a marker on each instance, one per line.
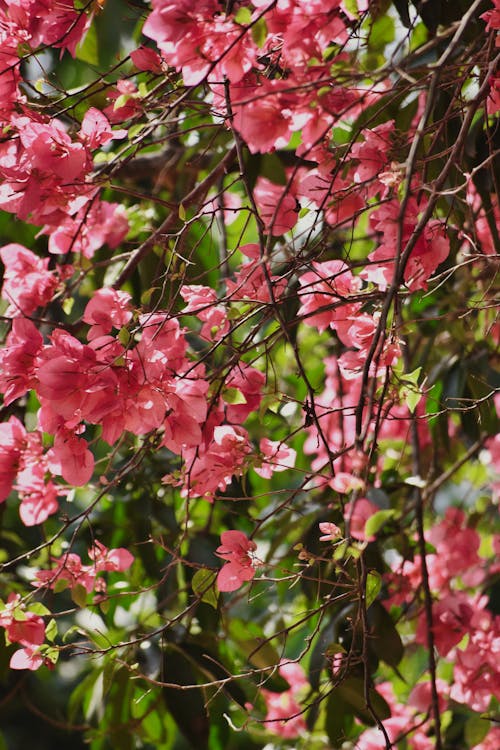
(255, 647)
(243, 16)
(60, 585)
(408, 387)
(39, 609)
(379, 519)
(352, 692)
(81, 694)
(482, 393)
(407, 377)
(154, 727)
(108, 674)
(210, 664)
(146, 296)
(318, 661)
(352, 7)
(341, 550)
(124, 336)
(88, 50)
(373, 586)
(67, 305)
(259, 32)
(272, 167)
(51, 630)
(339, 719)
(182, 212)
(419, 36)
(74, 629)
(51, 653)
(187, 707)
(385, 641)
(142, 89)
(476, 730)
(381, 33)
(79, 595)
(491, 716)
(412, 400)
(121, 101)
(136, 130)
(260, 653)
(203, 584)
(233, 396)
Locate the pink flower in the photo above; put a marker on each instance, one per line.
(26, 658)
(212, 469)
(71, 458)
(125, 103)
(420, 697)
(339, 198)
(397, 726)
(38, 495)
(277, 457)
(356, 515)
(251, 282)
(456, 544)
(476, 673)
(284, 715)
(18, 358)
(249, 382)
(491, 741)
(202, 301)
(107, 309)
(198, 39)
(277, 206)
(430, 250)
(343, 482)
(323, 294)
(12, 442)
(451, 616)
(22, 627)
(104, 223)
(145, 58)
(236, 548)
(115, 560)
(67, 568)
(227, 204)
(330, 532)
(492, 18)
(52, 151)
(56, 24)
(96, 130)
(372, 153)
(251, 111)
(28, 283)
(9, 75)
(28, 631)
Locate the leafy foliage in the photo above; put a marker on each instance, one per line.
(249, 449)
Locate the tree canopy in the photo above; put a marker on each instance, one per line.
(249, 446)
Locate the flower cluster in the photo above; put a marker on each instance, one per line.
(237, 550)
(297, 317)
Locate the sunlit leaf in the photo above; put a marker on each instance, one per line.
(203, 584)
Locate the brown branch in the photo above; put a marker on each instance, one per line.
(197, 194)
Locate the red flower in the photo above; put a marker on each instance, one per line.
(235, 548)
